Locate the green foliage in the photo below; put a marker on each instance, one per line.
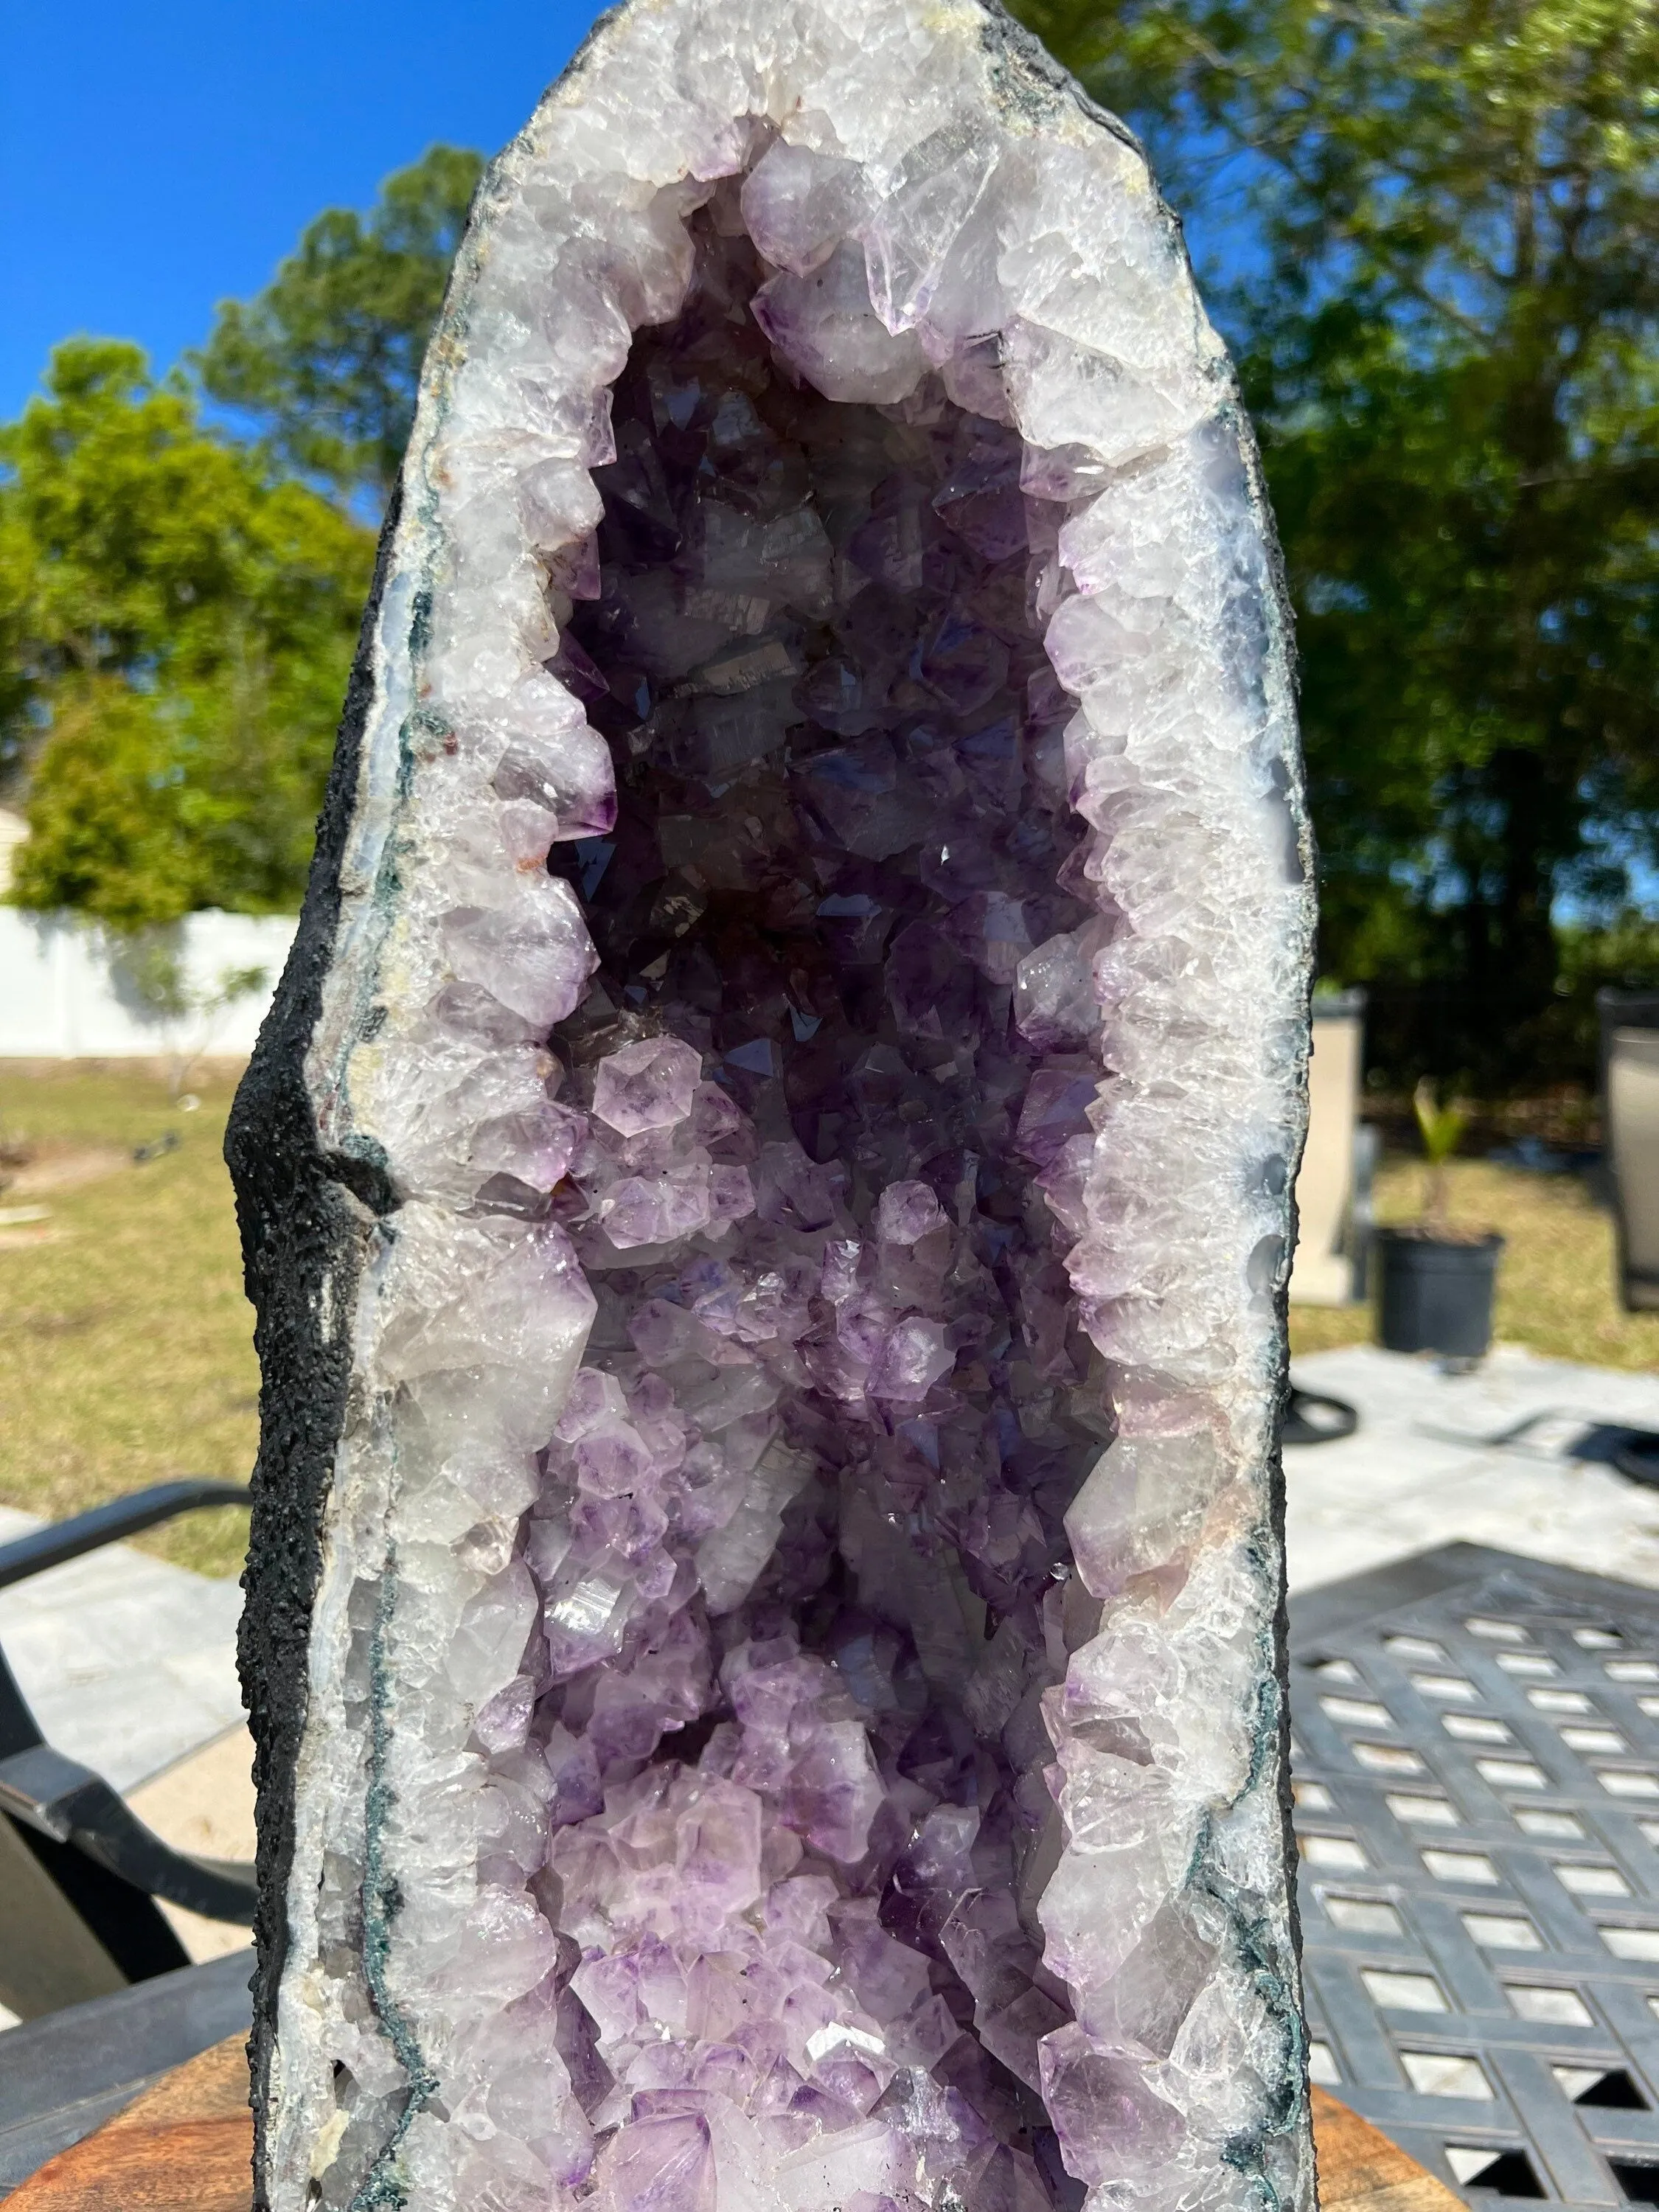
(156, 972)
(1441, 1128)
(175, 632)
(1622, 955)
(1446, 320)
(176, 612)
(328, 357)
(153, 964)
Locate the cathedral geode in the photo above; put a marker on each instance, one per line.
(767, 1187)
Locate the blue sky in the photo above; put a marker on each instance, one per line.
(157, 156)
(155, 159)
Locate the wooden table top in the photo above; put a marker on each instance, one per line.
(184, 2146)
(185, 2142)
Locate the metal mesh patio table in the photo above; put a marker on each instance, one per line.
(1476, 1765)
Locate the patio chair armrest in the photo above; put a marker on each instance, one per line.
(107, 1524)
(70, 1804)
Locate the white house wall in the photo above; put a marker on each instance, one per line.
(63, 994)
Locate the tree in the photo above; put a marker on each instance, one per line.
(328, 357)
(155, 969)
(1436, 221)
(177, 631)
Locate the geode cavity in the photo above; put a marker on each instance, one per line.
(767, 1190)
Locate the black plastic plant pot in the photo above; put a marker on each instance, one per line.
(1434, 1294)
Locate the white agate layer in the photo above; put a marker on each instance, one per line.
(930, 198)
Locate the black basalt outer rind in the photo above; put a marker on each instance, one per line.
(304, 1226)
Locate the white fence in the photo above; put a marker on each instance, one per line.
(68, 991)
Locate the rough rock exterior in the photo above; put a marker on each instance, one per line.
(767, 1188)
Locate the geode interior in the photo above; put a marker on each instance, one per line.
(767, 1188)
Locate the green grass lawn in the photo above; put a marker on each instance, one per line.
(1555, 1282)
(126, 1353)
(126, 1348)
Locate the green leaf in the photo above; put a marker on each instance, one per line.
(328, 357)
(1440, 1127)
(177, 631)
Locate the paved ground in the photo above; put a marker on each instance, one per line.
(1513, 1455)
(129, 1663)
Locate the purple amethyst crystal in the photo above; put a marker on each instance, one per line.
(767, 1189)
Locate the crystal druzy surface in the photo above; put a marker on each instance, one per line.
(807, 974)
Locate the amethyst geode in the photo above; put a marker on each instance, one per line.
(767, 1188)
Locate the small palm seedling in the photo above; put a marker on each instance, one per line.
(1441, 1127)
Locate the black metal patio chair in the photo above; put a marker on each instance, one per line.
(80, 1874)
